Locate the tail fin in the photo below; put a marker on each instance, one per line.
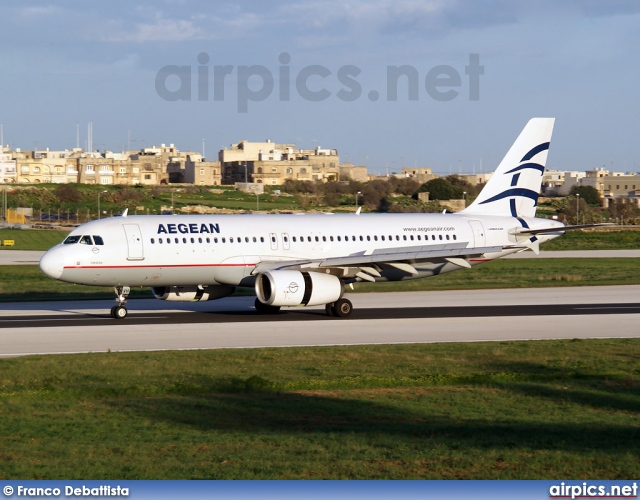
(515, 185)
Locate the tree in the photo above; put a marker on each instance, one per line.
(587, 193)
(440, 189)
(461, 183)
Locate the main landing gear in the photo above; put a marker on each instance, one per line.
(119, 311)
(341, 308)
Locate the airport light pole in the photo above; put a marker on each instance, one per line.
(577, 208)
(359, 193)
(100, 194)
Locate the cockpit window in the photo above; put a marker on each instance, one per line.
(72, 240)
(83, 240)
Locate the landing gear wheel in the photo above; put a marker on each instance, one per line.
(119, 312)
(341, 308)
(262, 308)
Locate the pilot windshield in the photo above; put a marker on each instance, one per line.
(72, 240)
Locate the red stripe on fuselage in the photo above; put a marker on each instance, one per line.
(159, 266)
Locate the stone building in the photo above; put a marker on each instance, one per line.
(272, 164)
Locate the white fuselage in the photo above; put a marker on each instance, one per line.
(183, 250)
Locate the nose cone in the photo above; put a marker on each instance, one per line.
(51, 263)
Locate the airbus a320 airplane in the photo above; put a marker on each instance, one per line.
(303, 260)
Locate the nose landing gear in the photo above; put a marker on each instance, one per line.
(119, 311)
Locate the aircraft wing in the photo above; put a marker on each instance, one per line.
(400, 258)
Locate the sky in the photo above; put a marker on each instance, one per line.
(445, 84)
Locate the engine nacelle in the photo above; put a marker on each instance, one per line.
(295, 288)
(192, 293)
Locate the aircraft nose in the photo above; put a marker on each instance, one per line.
(51, 264)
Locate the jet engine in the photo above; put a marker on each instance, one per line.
(192, 293)
(295, 288)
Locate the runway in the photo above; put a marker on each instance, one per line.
(380, 318)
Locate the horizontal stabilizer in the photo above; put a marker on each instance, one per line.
(560, 229)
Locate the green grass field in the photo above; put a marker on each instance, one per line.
(595, 240)
(516, 410)
(32, 239)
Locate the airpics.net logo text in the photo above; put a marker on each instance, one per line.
(313, 83)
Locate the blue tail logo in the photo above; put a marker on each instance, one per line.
(515, 190)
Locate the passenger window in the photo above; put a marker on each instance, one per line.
(208, 240)
(404, 237)
(440, 237)
(433, 236)
(199, 240)
(261, 239)
(98, 240)
(419, 238)
(454, 237)
(153, 241)
(447, 236)
(169, 241)
(176, 240)
(411, 237)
